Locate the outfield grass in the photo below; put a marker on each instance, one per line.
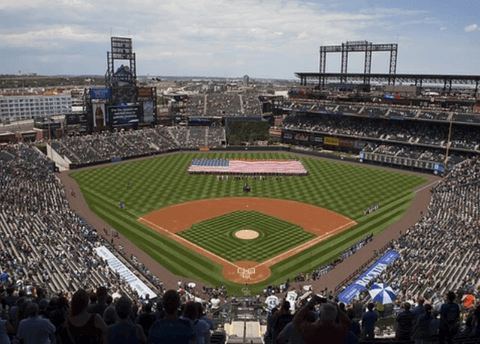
(218, 236)
(162, 181)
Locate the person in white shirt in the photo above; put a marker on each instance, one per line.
(271, 302)
(292, 297)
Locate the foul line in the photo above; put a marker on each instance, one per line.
(302, 247)
(187, 243)
(427, 186)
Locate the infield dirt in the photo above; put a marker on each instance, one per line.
(319, 221)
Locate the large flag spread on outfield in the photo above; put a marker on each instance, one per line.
(247, 166)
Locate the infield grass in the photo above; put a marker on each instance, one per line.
(218, 236)
(162, 181)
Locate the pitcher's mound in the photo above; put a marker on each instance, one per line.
(247, 234)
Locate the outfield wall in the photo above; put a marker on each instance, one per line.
(261, 149)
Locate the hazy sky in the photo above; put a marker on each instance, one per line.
(231, 38)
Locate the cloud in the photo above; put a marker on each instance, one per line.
(192, 34)
(443, 28)
(470, 28)
(58, 57)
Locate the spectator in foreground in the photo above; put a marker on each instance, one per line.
(208, 321)
(146, 318)
(171, 329)
(421, 329)
(200, 327)
(110, 315)
(290, 334)
(5, 328)
(369, 318)
(449, 315)
(101, 305)
(420, 308)
(124, 332)
(35, 330)
(281, 319)
(354, 324)
(477, 317)
(59, 315)
(404, 323)
(83, 326)
(332, 326)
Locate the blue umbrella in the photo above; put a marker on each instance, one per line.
(382, 293)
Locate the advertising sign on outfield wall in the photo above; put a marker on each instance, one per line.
(274, 132)
(347, 143)
(302, 137)
(332, 141)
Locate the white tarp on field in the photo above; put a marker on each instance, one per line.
(125, 273)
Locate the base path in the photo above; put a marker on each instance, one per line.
(319, 221)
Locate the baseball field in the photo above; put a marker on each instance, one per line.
(210, 230)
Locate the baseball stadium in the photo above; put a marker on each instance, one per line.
(243, 210)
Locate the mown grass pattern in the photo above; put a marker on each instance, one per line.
(162, 181)
(218, 236)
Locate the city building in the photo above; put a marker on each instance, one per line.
(245, 80)
(13, 108)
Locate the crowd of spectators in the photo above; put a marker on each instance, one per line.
(97, 317)
(406, 151)
(424, 141)
(197, 136)
(402, 131)
(124, 144)
(308, 317)
(195, 105)
(223, 104)
(251, 105)
(434, 115)
(43, 241)
(335, 125)
(466, 118)
(441, 252)
(418, 132)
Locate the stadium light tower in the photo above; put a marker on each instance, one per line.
(357, 46)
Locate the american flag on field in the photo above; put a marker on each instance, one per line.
(247, 166)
